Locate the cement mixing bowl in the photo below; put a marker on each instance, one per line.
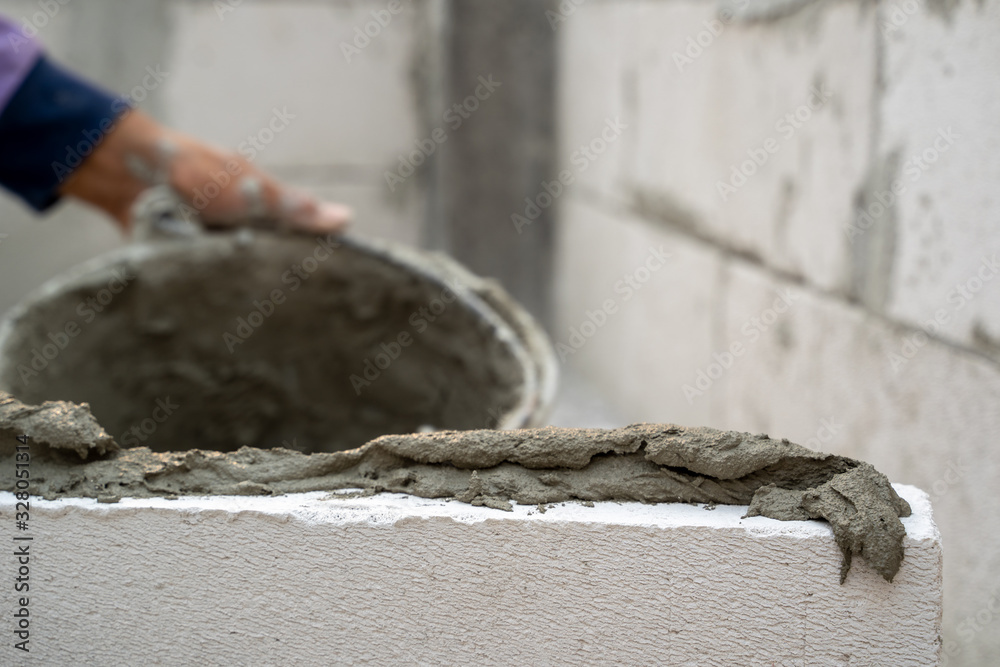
(221, 341)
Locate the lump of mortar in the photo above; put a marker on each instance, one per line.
(644, 462)
(57, 425)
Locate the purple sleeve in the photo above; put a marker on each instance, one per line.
(50, 119)
(18, 55)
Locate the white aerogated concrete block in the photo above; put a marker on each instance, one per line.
(939, 115)
(394, 579)
(634, 332)
(821, 374)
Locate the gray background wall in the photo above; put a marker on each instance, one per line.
(689, 105)
(822, 372)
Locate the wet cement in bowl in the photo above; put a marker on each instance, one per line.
(265, 341)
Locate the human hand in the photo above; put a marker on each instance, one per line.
(224, 188)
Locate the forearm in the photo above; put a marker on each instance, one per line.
(50, 125)
(60, 135)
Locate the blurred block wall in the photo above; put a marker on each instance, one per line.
(782, 309)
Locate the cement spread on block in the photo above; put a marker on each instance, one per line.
(643, 462)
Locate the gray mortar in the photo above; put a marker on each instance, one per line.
(482, 362)
(644, 462)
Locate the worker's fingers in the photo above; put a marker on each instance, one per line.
(228, 191)
(223, 188)
(300, 211)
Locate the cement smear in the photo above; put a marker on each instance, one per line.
(644, 462)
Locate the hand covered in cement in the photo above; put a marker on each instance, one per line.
(223, 188)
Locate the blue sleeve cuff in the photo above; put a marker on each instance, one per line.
(49, 127)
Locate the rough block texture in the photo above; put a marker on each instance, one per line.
(695, 112)
(948, 218)
(656, 331)
(932, 420)
(394, 579)
(852, 366)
